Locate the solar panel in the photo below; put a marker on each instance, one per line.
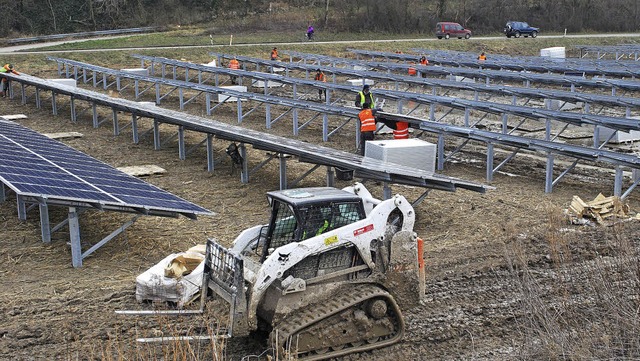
(34, 165)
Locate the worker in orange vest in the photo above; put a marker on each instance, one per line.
(482, 57)
(425, 62)
(274, 54)
(367, 125)
(234, 65)
(321, 77)
(412, 71)
(7, 68)
(401, 131)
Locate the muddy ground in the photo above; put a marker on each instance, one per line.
(507, 276)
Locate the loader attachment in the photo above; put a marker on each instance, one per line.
(224, 275)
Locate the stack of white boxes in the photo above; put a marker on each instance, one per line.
(620, 136)
(414, 153)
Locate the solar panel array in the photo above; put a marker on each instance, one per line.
(34, 165)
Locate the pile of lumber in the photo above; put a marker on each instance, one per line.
(600, 208)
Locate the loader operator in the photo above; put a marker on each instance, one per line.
(316, 224)
(367, 126)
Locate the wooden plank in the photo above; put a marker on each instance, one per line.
(142, 170)
(64, 135)
(14, 116)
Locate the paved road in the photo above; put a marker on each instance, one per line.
(32, 48)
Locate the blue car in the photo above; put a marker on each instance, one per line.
(520, 28)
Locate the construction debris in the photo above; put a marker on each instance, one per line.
(142, 170)
(177, 278)
(599, 209)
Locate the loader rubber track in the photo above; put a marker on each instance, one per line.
(308, 323)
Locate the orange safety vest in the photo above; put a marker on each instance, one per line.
(401, 131)
(234, 64)
(320, 77)
(274, 54)
(412, 71)
(367, 120)
(482, 57)
(424, 61)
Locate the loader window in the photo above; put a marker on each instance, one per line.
(284, 226)
(323, 218)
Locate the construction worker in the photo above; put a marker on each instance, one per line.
(321, 77)
(367, 126)
(365, 97)
(234, 65)
(274, 54)
(424, 61)
(7, 68)
(482, 57)
(401, 131)
(412, 70)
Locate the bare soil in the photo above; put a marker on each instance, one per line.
(479, 248)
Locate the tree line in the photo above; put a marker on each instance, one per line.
(42, 17)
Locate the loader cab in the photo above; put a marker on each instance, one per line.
(300, 214)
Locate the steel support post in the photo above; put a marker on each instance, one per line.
(386, 191)
(22, 208)
(325, 127)
(94, 109)
(440, 155)
(181, 147)
(330, 177)
(3, 193)
(72, 105)
(617, 185)
(38, 103)
(54, 107)
(23, 93)
(181, 97)
(267, 115)
(210, 160)
(239, 107)
(283, 171)
(548, 179)
(207, 100)
(156, 135)
(45, 226)
(134, 128)
(490, 155)
(244, 176)
(116, 124)
(74, 238)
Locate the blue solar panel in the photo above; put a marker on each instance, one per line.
(34, 165)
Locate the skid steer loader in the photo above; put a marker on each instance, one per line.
(327, 276)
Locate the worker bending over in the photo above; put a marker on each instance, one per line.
(7, 68)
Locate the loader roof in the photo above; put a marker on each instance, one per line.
(303, 196)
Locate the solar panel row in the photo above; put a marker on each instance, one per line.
(34, 165)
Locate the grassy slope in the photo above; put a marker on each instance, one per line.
(200, 38)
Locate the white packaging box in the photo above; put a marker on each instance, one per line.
(555, 52)
(358, 82)
(137, 71)
(67, 82)
(556, 104)
(414, 153)
(212, 63)
(270, 83)
(225, 98)
(462, 79)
